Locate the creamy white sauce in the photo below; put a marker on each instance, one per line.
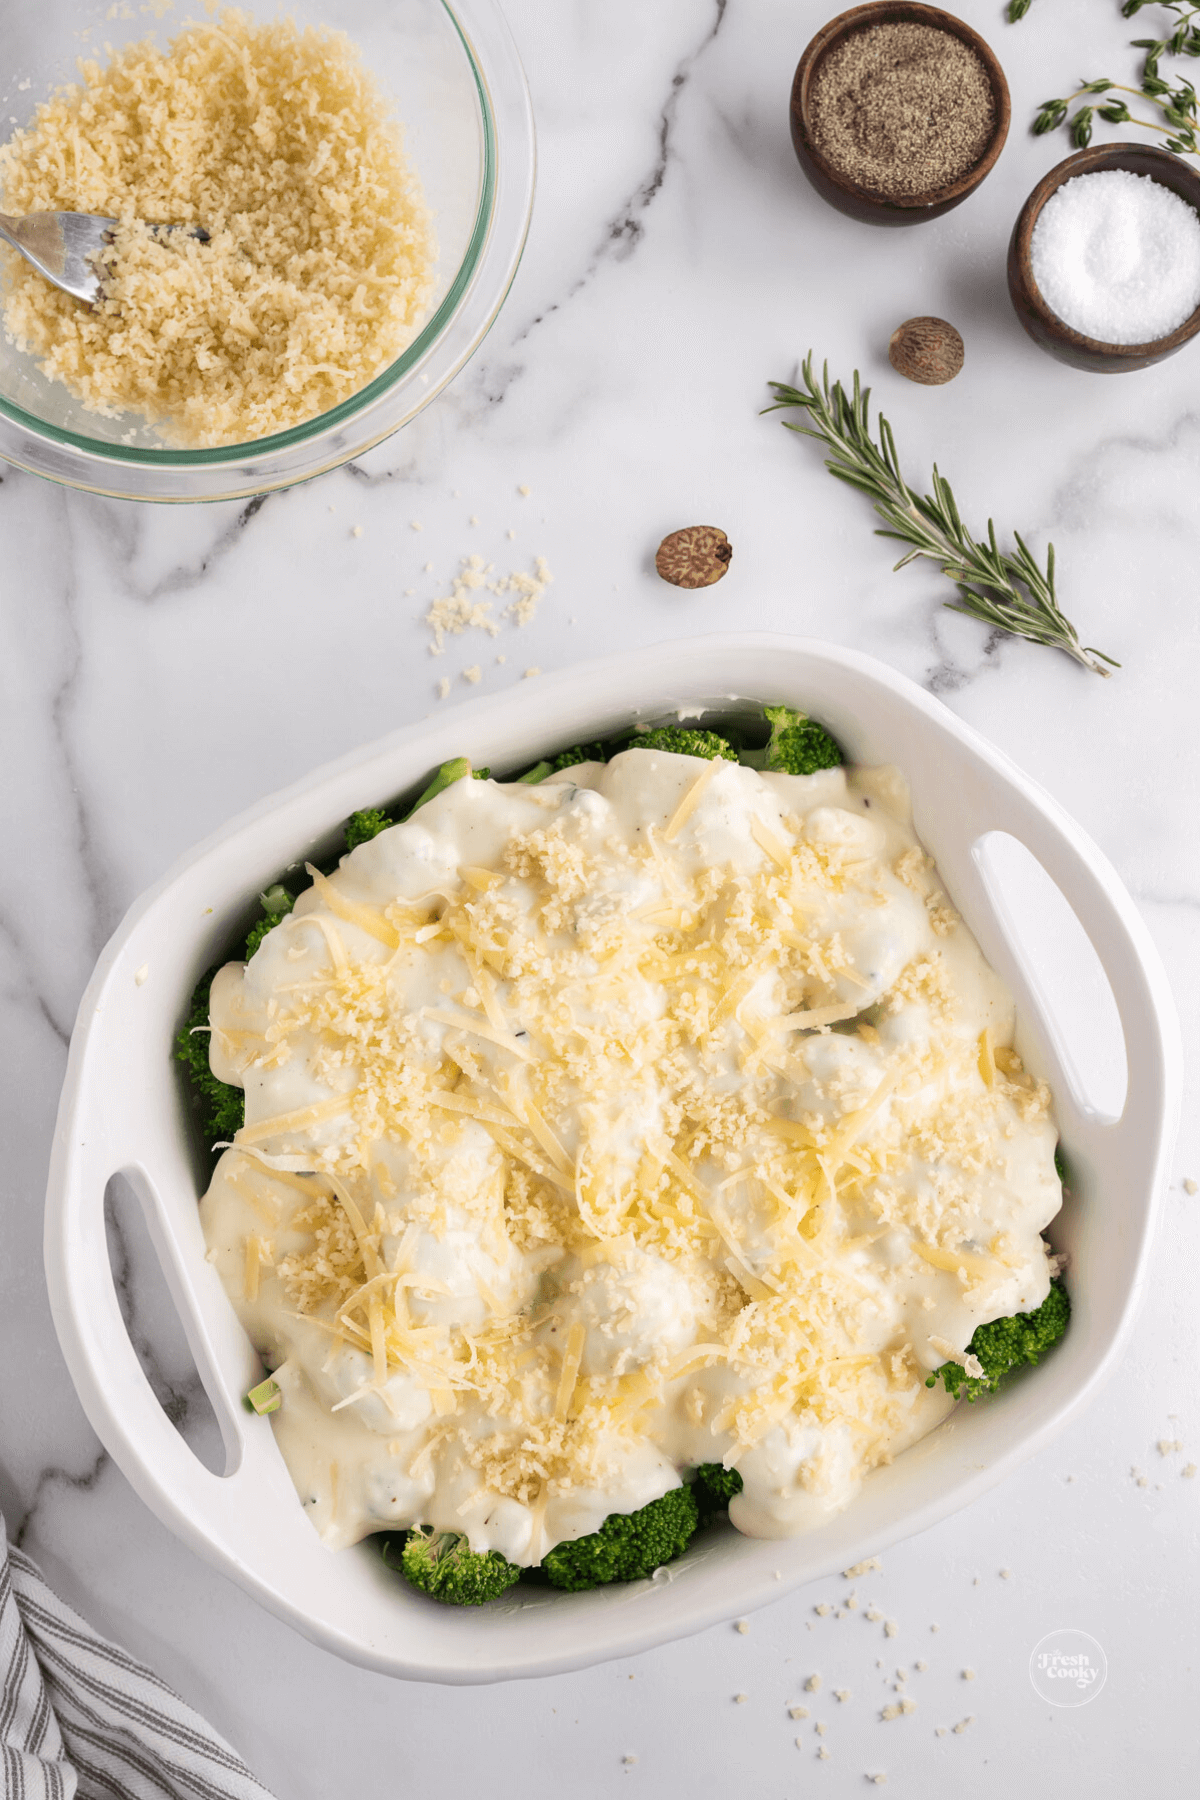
(642, 1224)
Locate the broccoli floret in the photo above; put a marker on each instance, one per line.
(685, 742)
(1008, 1344)
(1060, 1166)
(277, 904)
(714, 1487)
(578, 753)
(220, 1109)
(539, 772)
(798, 745)
(361, 827)
(628, 1546)
(443, 1565)
(455, 770)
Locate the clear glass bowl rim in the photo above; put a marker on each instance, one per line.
(232, 455)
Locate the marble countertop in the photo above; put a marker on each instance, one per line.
(163, 668)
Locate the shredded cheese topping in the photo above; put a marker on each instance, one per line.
(616, 1128)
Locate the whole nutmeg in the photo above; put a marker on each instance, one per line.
(694, 557)
(926, 350)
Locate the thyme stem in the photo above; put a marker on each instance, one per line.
(1011, 593)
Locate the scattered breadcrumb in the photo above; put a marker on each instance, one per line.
(1189, 1186)
(416, 525)
(1189, 1469)
(463, 610)
(510, 534)
(409, 592)
(877, 1779)
(472, 520)
(142, 975)
(935, 1628)
(862, 1568)
(939, 1731)
(530, 672)
(873, 1614)
(1167, 1445)
(1006, 1574)
(821, 1608)
(523, 491)
(629, 1757)
(823, 1754)
(356, 531)
(813, 1684)
(842, 1694)
(742, 1625)
(897, 1708)
(473, 674)
(443, 687)
(963, 1723)
(890, 1628)
(429, 568)
(819, 1728)
(740, 1699)
(852, 1603)
(968, 1674)
(797, 1712)
(920, 1667)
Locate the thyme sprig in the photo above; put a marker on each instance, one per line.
(1179, 124)
(1008, 592)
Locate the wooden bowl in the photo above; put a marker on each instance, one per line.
(1045, 327)
(868, 204)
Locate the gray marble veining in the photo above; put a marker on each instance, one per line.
(164, 668)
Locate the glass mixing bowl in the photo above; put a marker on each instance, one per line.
(453, 72)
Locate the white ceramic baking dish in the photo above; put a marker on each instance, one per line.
(122, 1111)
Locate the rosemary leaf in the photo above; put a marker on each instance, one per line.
(1009, 592)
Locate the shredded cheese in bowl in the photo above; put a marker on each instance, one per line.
(655, 1115)
(318, 269)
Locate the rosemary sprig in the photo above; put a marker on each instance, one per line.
(1017, 10)
(1010, 593)
(1179, 125)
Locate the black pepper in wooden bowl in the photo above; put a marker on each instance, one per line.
(898, 112)
(902, 108)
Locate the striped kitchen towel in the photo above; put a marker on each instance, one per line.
(80, 1718)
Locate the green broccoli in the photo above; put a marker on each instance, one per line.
(455, 770)
(685, 742)
(361, 827)
(578, 753)
(539, 772)
(714, 1486)
(277, 903)
(443, 1565)
(628, 1546)
(797, 745)
(1008, 1344)
(220, 1109)
(1061, 1168)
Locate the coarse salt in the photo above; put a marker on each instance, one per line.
(1117, 257)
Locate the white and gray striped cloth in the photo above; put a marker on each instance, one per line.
(82, 1720)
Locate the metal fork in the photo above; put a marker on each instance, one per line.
(64, 246)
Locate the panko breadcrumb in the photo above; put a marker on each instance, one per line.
(319, 265)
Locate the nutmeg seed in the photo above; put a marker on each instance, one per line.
(694, 557)
(926, 350)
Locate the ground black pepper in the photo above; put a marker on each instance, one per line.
(904, 109)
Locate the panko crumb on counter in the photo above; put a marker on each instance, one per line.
(319, 266)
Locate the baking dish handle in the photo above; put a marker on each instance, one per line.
(1118, 934)
(208, 1510)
